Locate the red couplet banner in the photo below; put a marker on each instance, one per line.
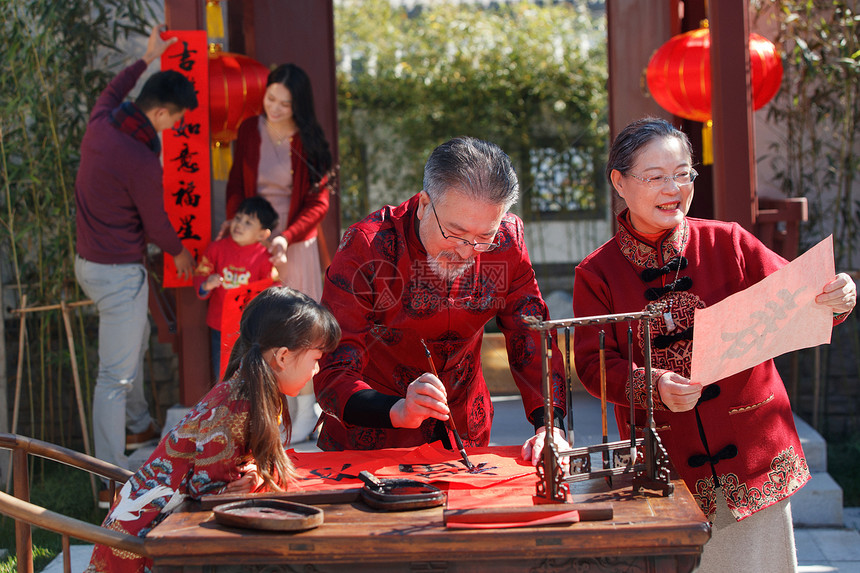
(235, 302)
(187, 188)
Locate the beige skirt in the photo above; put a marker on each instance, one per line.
(761, 543)
(304, 272)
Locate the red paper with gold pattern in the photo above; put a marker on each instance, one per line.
(187, 191)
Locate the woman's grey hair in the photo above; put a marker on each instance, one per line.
(626, 147)
(479, 169)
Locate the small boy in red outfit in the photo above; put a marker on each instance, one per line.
(237, 260)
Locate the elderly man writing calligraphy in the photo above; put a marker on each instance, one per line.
(435, 269)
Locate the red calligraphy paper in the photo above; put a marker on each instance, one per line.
(187, 191)
(774, 316)
(427, 463)
(517, 492)
(235, 301)
(506, 482)
(464, 522)
(433, 463)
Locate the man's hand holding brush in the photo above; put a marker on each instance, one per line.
(426, 397)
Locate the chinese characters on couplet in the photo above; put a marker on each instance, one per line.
(187, 189)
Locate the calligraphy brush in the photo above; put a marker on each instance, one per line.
(632, 403)
(450, 422)
(606, 464)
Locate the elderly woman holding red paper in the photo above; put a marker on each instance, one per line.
(733, 442)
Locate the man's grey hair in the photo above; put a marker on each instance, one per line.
(477, 168)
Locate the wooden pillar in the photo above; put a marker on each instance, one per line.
(635, 29)
(731, 104)
(629, 50)
(192, 334)
(23, 531)
(273, 32)
(276, 32)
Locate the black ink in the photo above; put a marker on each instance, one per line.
(184, 158)
(186, 62)
(185, 231)
(186, 195)
(332, 474)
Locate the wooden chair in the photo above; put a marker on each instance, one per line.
(27, 514)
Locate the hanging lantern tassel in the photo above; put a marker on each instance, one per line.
(708, 143)
(214, 19)
(221, 160)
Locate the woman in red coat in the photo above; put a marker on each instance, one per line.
(283, 156)
(733, 442)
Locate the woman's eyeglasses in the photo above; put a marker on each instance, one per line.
(657, 181)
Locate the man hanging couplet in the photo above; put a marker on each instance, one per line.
(776, 315)
(187, 192)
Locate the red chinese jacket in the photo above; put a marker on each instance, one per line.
(307, 206)
(387, 299)
(200, 456)
(238, 265)
(741, 432)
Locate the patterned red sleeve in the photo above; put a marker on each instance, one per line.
(340, 373)
(524, 299)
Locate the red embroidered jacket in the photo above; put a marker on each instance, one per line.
(238, 266)
(387, 299)
(750, 442)
(307, 206)
(201, 455)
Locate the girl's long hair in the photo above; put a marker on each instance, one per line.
(277, 317)
(317, 152)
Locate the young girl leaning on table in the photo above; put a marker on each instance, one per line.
(233, 440)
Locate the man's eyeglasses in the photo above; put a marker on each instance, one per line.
(479, 247)
(657, 181)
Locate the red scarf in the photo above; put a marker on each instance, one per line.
(128, 118)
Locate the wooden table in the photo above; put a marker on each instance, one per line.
(646, 534)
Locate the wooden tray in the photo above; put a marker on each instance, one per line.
(269, 514)
(307, 497)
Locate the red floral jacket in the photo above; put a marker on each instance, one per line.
(742, 431)
(387, 299)
(201, 455)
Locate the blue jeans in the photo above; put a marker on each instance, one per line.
(121, 296)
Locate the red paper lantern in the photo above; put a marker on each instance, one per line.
(679, 74)
(237, 84)
(236, 87)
